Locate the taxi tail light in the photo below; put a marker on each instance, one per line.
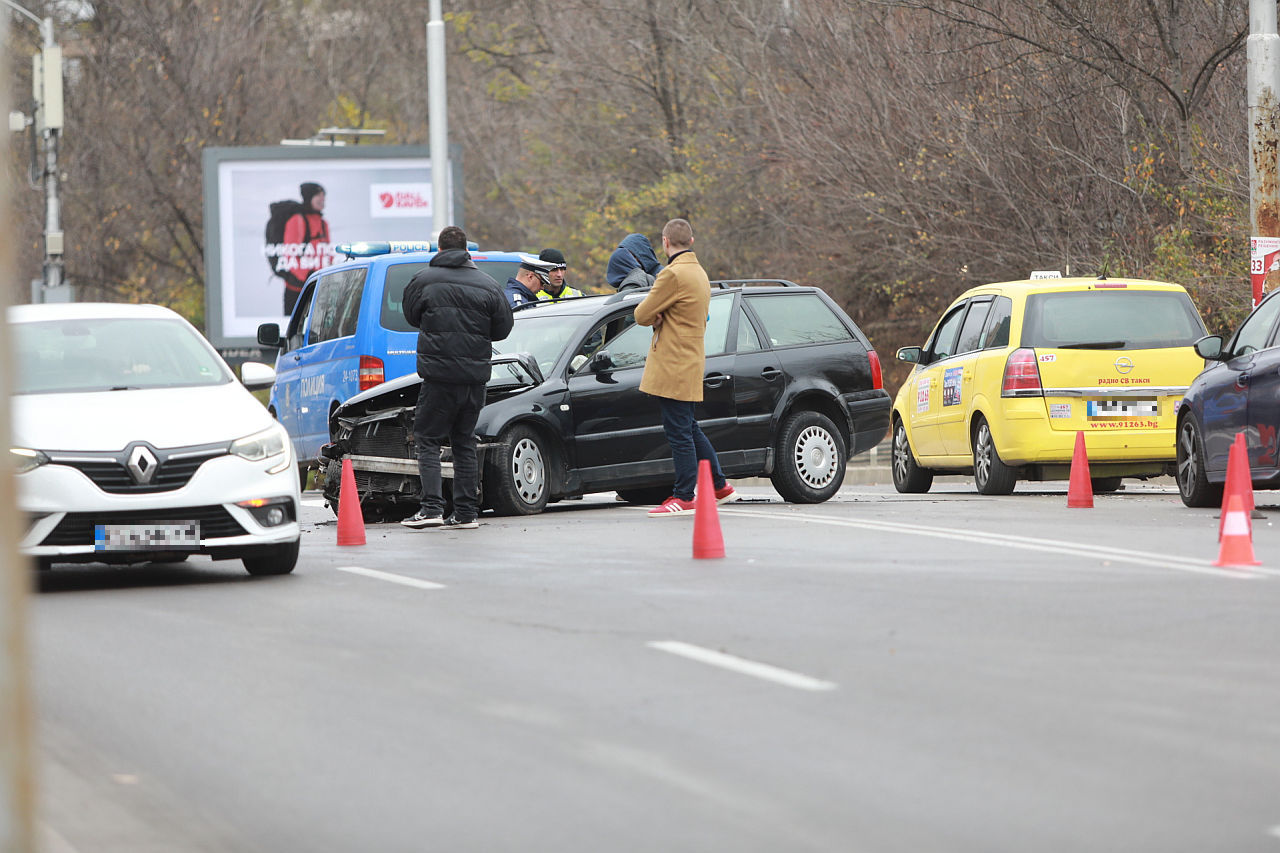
(877, 374)
(1021, 375)
(371, 372)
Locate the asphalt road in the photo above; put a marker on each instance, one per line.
(943, 672)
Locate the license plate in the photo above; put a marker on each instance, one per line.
(180, 535)
(1123, 408)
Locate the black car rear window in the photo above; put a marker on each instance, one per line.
(796, 319)
(1111, 319)
(399, 276)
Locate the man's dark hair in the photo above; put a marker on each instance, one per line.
(452, 237)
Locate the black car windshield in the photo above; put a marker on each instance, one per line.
(1120, 319)
(107, 354)
(544, 337)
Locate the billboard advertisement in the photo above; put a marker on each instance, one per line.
(273, 216)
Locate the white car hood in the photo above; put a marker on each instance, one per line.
(110, 420)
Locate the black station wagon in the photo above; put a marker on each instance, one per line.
(792, 388)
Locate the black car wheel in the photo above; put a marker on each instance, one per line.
(1193, 482)
(273, 559)
(908, 477)
(990, 474)
(651, 495)
(811, 459)
(516, 478)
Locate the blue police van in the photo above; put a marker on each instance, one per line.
(348, 333)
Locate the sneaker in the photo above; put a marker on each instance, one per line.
(728, 493)
(672, 506)
(420, 519)
(455, 523)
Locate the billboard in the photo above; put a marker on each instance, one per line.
(273, 215)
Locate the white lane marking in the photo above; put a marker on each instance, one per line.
(390, 578)
(1028, 543)
(742, 665)
(320, 502)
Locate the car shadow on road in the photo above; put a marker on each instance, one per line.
(85, 577)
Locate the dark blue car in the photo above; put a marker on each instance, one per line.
(1238, 391)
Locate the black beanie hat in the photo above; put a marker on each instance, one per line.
(554, 256)
(309, 191)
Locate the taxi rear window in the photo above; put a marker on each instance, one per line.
(1111, 319)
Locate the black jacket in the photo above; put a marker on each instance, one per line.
(459, 312)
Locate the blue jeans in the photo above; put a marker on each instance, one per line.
(688, 446)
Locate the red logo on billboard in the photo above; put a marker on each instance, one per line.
(387, 199)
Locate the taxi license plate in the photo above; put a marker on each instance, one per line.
(180, 535)
(1123, 408)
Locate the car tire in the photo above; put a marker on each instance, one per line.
(990, 474)
(652, 495)
(273, 559)
(1193, 482)
(517, 474)
(1104, 485)
(811, 459)
(908, 477)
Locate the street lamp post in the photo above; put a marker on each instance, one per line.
(46, 83)
(438, 119)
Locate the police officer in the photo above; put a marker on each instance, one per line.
(556, 289)
(531, 277)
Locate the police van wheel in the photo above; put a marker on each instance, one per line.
(517, 474)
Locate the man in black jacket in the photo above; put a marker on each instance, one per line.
(459, 312)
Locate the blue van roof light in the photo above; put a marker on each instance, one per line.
(368, 249)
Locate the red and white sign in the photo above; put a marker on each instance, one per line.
(1264, 257)
(399, 200)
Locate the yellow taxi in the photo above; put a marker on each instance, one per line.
(1014, 370)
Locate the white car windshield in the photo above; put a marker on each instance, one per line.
(108, 354)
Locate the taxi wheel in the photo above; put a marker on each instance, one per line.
(1193, 484)
(990, 474)
(908, 477)
(811, 459)
(517, 475)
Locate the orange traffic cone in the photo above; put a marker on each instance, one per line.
(1237, 536)
(1080, 489)
(1244, 477)
(1234, 485)
(350, 519)
(708, 541)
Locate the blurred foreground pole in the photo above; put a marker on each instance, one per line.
(1263, 53)
(17, 787)
(438, 119)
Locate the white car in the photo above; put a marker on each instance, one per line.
(134, 442)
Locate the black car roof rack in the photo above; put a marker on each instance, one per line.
(735, 282)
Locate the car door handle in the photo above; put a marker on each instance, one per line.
(715, 380)
(770, 373)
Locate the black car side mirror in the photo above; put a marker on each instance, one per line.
(911, 355)
(269, 335)
(1209, 347)
(600, 363)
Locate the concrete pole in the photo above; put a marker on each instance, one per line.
(1263, 56)
(17, 785)
(438, 118)
(50, 104)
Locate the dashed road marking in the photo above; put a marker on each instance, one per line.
(390, 578)
(1027, 543)
(743, 666)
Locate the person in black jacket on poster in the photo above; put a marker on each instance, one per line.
(459, 312)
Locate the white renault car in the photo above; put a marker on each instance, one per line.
(134, 442)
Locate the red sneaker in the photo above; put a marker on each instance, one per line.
(728, 493)
(672, 506)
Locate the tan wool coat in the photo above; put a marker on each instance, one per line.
(676, 362)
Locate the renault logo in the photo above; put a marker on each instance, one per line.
(1124, 364)
(142, 464)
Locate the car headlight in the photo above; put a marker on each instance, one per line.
(261, 445)
(25, 459)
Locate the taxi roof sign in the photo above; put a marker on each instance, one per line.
(1045, 274)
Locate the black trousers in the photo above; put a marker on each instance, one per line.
(448, 411)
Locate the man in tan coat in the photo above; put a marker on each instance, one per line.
(676, 307)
